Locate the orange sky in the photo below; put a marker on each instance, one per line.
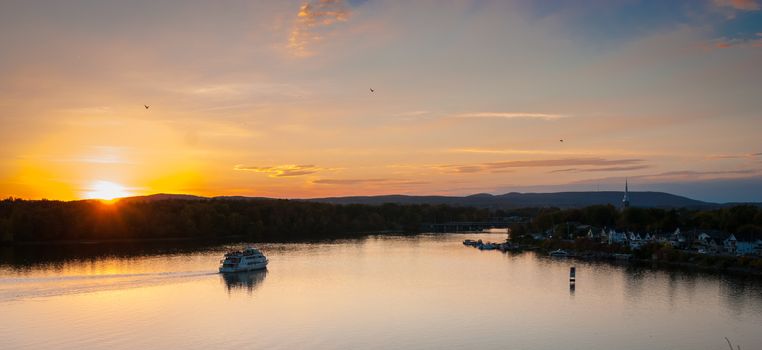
(272, 98)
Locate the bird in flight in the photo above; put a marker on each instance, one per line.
(371, 90)
(146, 106)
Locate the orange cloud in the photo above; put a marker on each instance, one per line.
(367, 182)
(314, 20)
(560, 162)
(615, 168)
(745, 5)
(281, 170)
(512, 115)
(506, 166)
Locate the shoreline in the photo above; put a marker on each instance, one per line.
(118, 241)
(662, 264)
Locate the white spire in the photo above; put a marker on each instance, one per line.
(626, 199)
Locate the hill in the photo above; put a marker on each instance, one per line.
(511, 200)
(523, 200)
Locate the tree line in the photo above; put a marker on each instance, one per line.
(743, 220)
(263, 220)
(293, 220)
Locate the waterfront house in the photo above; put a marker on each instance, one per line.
(748, 243)
(604, 237)
(745, 247)
(617, 237)
(594, 234)
(634, 240)
(730, 244)
(711, 241)
(678, 239)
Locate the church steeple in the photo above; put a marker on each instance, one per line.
(626, 199)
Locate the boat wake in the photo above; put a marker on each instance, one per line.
(17, 288)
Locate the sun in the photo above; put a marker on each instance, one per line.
(106, 190)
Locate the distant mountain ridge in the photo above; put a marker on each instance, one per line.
(485, 200)
(523, 200)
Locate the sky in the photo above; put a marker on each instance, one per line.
(272, 98)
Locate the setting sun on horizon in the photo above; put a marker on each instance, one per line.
(106, 190)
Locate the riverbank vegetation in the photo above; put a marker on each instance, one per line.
(293, 220)
(254, 220)
(740, 219)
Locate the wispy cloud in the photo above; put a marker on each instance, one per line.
(281, 170)
(560, 162)
(734, 156)
(569, 170)
(313, 21)
(512, 115)
(412, 113)
(745, 5)
(517, 151)
(684, 175)
(608, 164)
(692, 174)
(727, 43)
(615, 168)
(378, 181)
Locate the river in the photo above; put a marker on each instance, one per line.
(381, 292)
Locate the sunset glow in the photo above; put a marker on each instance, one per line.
(273, 98)
(106, 190)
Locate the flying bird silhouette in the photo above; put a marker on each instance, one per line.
(146, 106)
(371, 90)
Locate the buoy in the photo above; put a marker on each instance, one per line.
(572, 274)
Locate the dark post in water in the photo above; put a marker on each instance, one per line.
(572, 274)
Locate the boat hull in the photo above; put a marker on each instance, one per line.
(254, 267)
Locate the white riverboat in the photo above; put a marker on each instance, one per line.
(247, 260)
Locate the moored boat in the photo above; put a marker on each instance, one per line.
(559, 253)
(247, 260)
(470, 242)
(487, 246)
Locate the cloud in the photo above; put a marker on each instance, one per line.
(512, 115)
(281, 170)
(379, 181)
(615, 168)
(744, 5)
(468, 169)
(506, 166)
(734, 156)
(560, 162)
(313, 22)
(691, 174)
(619, 168)
(682, 176)
(508, 151)
(412, 113)
(727, 43)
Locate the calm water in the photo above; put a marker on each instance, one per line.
(423, 292)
